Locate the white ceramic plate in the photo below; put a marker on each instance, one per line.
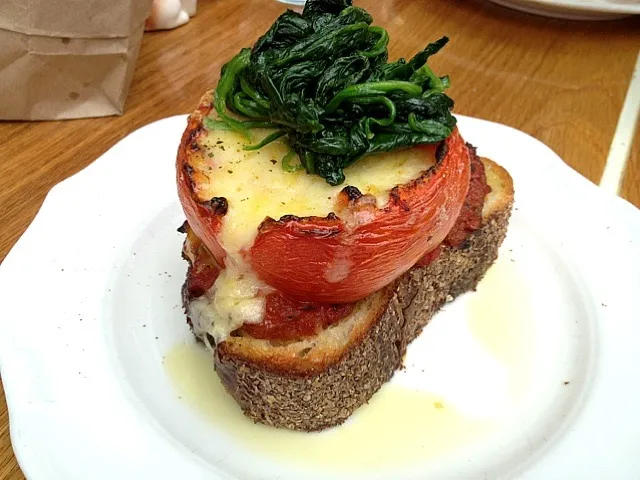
(533, 376)
(576, 9)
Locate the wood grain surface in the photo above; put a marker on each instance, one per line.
(562, 82)
(8, 466)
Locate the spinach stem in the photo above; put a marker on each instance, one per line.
(372, 89)
(380, 46)
(266, 140)
(286, 163)
(251, 92)
(225, 87)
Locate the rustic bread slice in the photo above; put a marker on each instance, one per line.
(316, 383)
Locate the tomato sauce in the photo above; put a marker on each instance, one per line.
(470, 217)
(289, 319)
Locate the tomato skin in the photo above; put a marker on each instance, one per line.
(328, 260)
(204, 217)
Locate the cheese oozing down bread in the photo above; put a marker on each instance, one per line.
(315, 383)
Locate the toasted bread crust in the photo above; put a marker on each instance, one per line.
(312, 386)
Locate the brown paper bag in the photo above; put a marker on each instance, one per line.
(67, 58)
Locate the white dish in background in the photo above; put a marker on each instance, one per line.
(295, 3)
(575, 9)
(530, 377)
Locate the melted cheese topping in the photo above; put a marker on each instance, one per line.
(233, 300)
(256, 187)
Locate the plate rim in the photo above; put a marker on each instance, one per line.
(30, 465)
(573, 7)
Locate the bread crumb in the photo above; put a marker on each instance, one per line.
(449, 298)
(438, 405)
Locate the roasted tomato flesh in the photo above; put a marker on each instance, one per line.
(290, 319)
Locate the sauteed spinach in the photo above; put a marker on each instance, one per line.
(322, 79)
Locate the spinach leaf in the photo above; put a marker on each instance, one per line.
(323, 80)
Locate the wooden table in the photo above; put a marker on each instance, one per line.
(562, 82)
